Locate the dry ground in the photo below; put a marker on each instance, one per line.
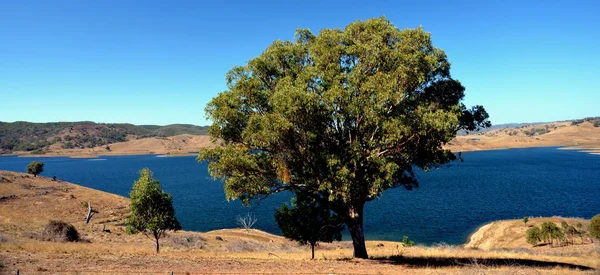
(27, 203)
(583, 137)
(174, 146)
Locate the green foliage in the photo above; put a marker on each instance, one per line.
(525, 220)
(38, 152)
(534, 235)
(35, 168)
(406, 242)
(176, 129)
(152, 211)
(551, 232)
(536, 131)
(341, 116)
(308, 222)
(594, 227)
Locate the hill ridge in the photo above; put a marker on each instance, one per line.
(38, 138)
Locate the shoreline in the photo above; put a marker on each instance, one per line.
(480, 229)
(590, 150)
(94, 190)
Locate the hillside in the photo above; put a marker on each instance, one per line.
(511, 234)
(579, 135)
(27, 203)
(42, 138)
(89, 139)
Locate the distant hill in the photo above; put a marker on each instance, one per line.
(579, 133)
(593, 120)
(38, 137)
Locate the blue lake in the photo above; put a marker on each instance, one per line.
(450, 203)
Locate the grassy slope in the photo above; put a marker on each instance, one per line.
(583, 135)
(27, 203)
(43, 137)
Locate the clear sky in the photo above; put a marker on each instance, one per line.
(160, 62)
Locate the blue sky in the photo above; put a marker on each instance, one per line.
(160, 62)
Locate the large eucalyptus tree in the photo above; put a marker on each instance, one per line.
(340, 116)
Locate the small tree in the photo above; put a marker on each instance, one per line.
(35, 168)
(309, 222)
(406, 242)
(525, 220)
(570, 232)
(594, 227)
(551, 232)
(152, 211)
(534, 235)
(580, 232)
(246, 222)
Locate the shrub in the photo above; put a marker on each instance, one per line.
(534, 235)
(577, 122)
(594, 227)
(60, 231)
(406, 242)
(35, 168)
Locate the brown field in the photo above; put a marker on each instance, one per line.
(584, 137)
(28, 203)
(172, 146)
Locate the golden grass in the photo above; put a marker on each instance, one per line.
(30, 202)
(180, 145)
(580, 136)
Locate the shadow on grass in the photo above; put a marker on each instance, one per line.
(423, 262)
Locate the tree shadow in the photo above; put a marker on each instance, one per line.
(424, 262)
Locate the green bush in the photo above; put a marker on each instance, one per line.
(594, 227)
(534, 235)
(35, 168)
(406, 242)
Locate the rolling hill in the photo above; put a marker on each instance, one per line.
(41, 138)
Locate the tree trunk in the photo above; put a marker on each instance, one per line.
(89, 215)
(157, 245)
(354, 221)
(312, 247)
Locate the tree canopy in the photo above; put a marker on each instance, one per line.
(342, 116)
(152, 211)
(35, 168)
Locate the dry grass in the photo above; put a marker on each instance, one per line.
(31, 202)
(169, 146)
(582, 136)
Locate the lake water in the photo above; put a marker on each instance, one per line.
(449, 204)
